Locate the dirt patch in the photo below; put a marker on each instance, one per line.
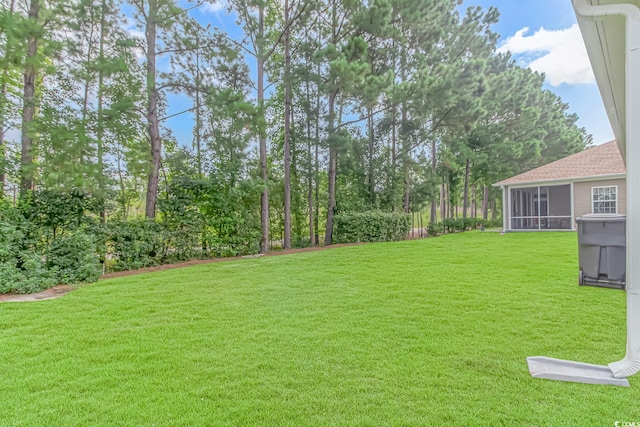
(55, 292)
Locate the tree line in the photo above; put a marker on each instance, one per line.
(311, 109)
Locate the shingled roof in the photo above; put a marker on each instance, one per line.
(597, 161)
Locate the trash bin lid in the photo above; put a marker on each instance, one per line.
(602, 217)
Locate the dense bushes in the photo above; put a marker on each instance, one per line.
(132, 244)
(48, 240)
(372, 226)
(455, 225)
(56, 237)
(21, 266)
(74, 258)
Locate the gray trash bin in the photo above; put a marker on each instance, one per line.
(602, 250)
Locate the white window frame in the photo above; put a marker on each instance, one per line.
(593, 202)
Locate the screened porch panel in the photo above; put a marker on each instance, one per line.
(541, 208)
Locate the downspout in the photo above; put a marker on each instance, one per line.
(630, 365)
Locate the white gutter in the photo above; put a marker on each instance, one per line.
(630, 365)
(560, 181)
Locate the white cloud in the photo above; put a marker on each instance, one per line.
(132, 27)
(215, 7)
(560, 54)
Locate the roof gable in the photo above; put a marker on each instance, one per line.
(600, 160)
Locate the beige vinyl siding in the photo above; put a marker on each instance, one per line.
(582, 195)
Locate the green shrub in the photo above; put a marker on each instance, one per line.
(372, 226)
(27, 275)
(135, 244)
(181, 244)
(435, 228)
(455, 225)
(470, 223)
(21, 265)
(74, 258)
(448, 224)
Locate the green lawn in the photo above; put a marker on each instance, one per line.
(426, 332)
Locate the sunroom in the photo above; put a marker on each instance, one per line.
(552, 196)
(540, 208)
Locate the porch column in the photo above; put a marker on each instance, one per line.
(573, 207)
(505, 212)
(510, 208)
(539, 202)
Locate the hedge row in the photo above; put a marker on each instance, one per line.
(54, 237)
(372, 226)
(455, 225)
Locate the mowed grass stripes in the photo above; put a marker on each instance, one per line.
(425, 332)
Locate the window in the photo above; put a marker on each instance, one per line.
(605, 199)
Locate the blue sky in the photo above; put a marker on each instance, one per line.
(541, 34)
(553, 45)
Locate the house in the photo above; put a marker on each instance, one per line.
(611, 32)
(552, 196)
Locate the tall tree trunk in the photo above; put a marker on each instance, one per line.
(264, 200)
(371, 183)
(3, 97)
(485, 202)
(333, 152)
(29, 103)
(407, 186)
(83, 128)
(100, 126)
(447, 196)
(446, 200)
(198, 119)
(494, 213)
(317, 184)
(333, 166)
(393, 161)
(434, 164)
(443, 207)
(406, 152)
(465, 197)
(317, 149)
(287, 130)
(123, 190)
(312, 239)
(295, 180)
(83, 137)
(152, 111)
(474, 205)
(317, 166)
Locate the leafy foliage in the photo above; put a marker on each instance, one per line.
(456, 225)
(133, 244)
(372, 226)
(74, 258)
(385, 107)
(54, 237)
